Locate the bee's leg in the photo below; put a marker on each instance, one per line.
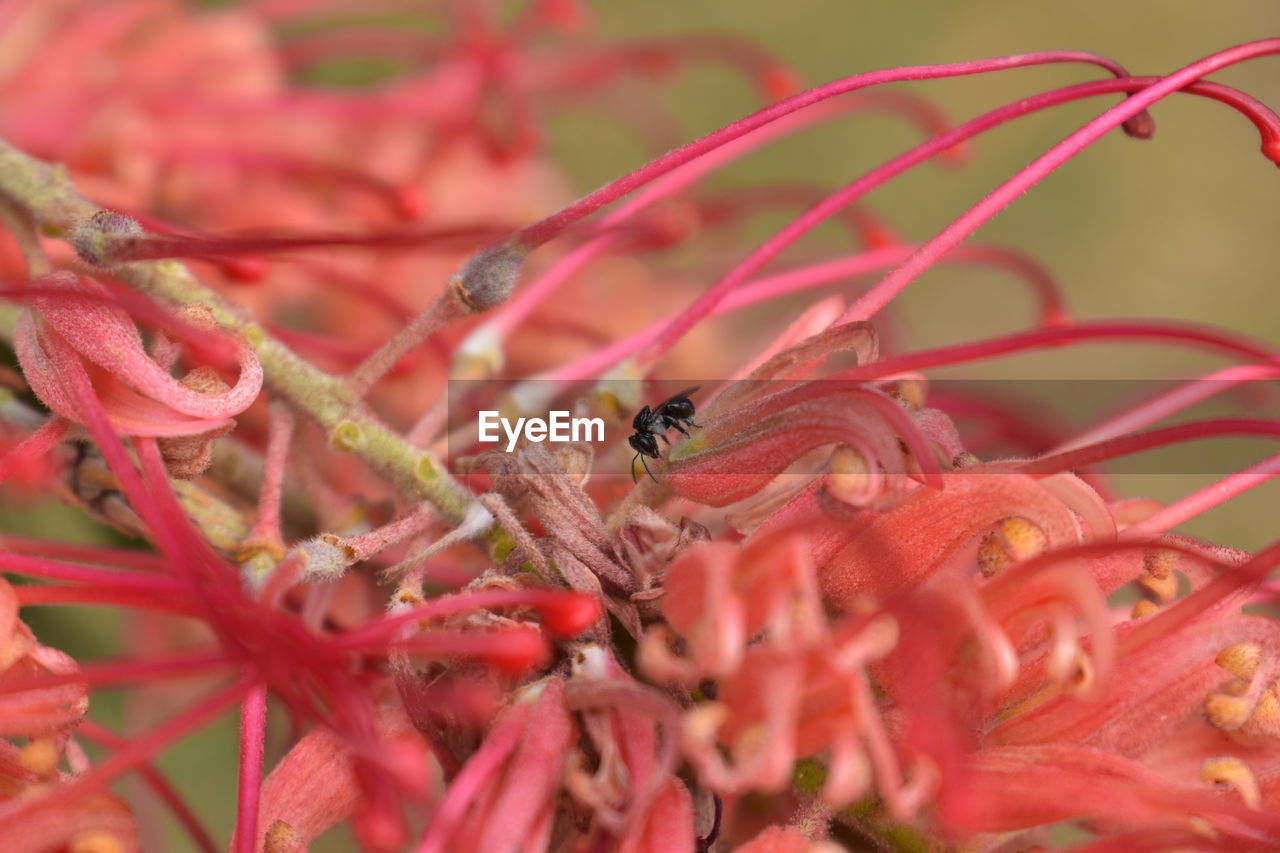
(646, 469)
(676, 424)
(664, 438)
(690, 422)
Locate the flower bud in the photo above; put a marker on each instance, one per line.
(101, 239)
(326, 557)
(488, 277)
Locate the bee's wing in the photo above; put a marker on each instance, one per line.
(685, 393)
(643, 417)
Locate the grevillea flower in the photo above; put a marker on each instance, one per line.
(139, 394)
(834, 615)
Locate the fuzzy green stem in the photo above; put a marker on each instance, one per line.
(46, 193)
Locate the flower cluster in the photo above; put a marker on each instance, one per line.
(832, 617)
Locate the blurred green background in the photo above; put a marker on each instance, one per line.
(1183, 226)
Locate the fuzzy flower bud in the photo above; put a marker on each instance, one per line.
(101, 239)
(488, 277)
(325, 557)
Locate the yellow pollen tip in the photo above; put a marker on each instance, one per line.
(1144, 608)
(40, 756)
(1265, 720)
(1164, 589)
(1240, 659)
(409, 597)
(1227, 712)
(1234, 773)
(912, 394)
(1014, 539)
(95, 842)
(850, 477)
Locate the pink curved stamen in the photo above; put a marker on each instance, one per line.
(1128, 444)
(818, 214)
(1002, 196)
(542, 231)
(528, 297)
(1172, 402)
(1205, 499)
(1120, 330)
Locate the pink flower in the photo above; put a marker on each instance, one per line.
(73, 326)
(833, 601)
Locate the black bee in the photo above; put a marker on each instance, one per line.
(650, 424)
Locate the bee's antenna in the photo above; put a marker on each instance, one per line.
(646, 469)
(634, 477)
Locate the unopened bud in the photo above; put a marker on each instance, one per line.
(326, 557)
(488, 277)
(1140, 126)
(103, 239)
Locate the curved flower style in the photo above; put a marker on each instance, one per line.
(851, 608)
(71, 322)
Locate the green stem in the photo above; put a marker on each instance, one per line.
(46, 193)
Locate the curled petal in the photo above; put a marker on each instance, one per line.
(107, 336)
(900, 548)
(140, 396)
(741, 453)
